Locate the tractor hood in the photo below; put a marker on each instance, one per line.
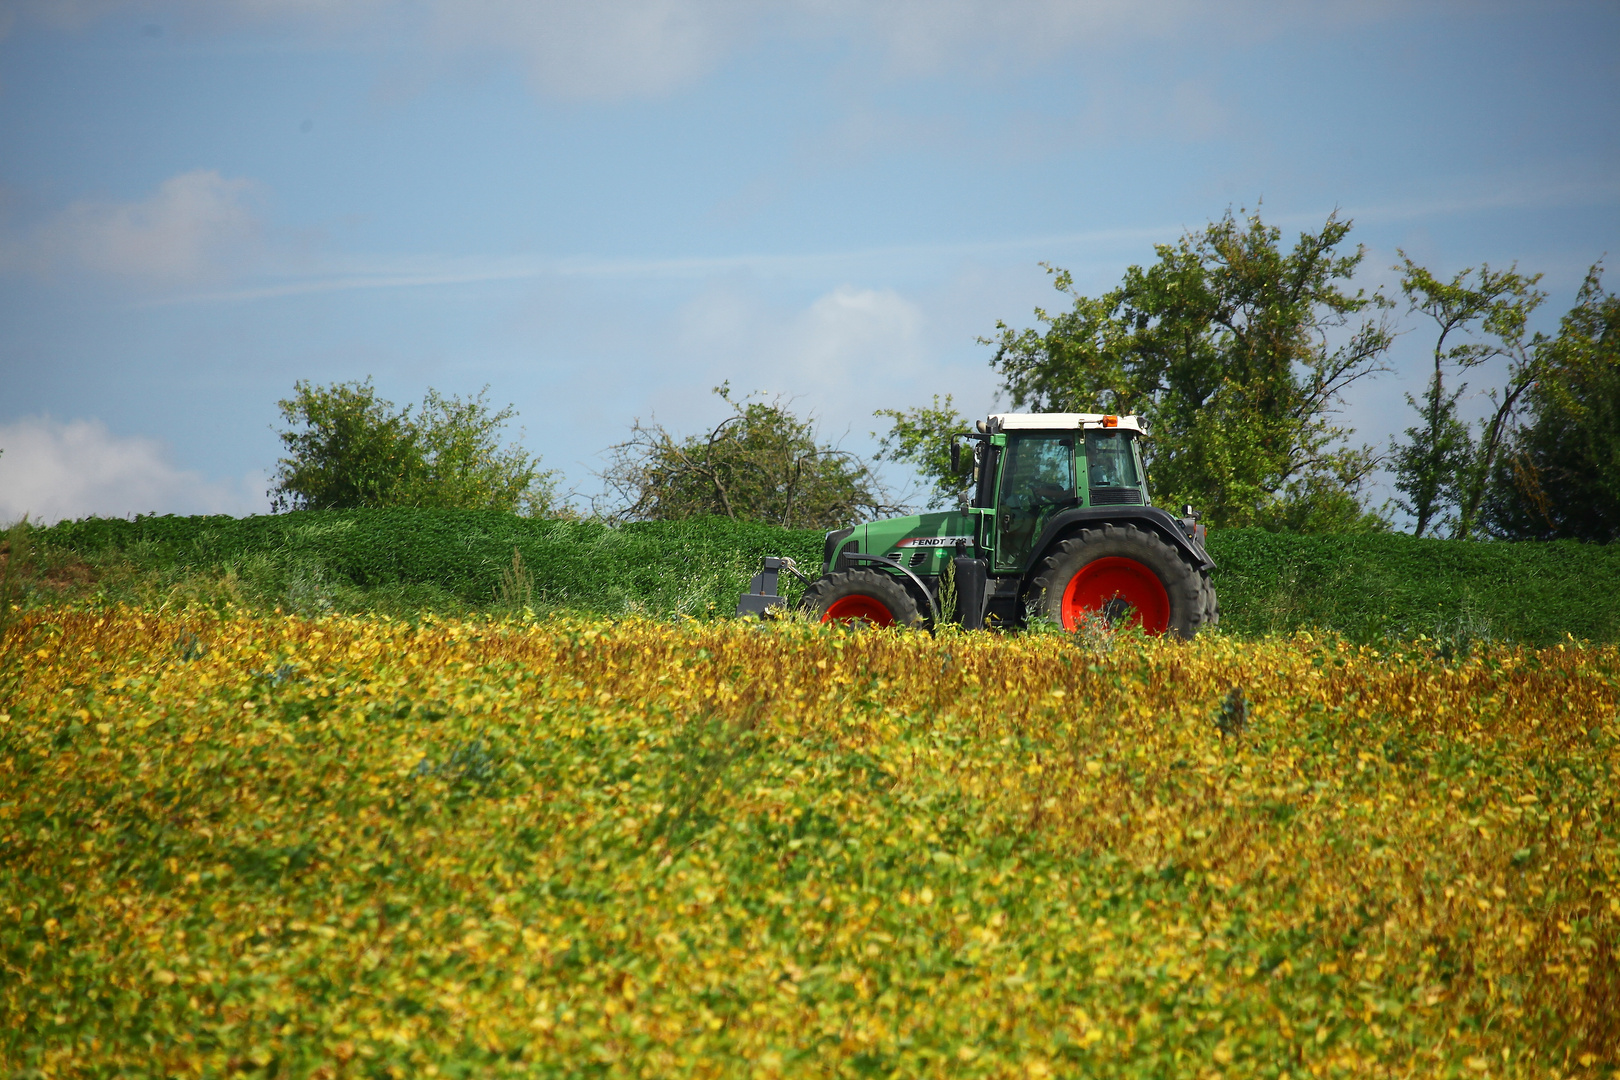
(922, 542)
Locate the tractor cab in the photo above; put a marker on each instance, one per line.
(1029, 467)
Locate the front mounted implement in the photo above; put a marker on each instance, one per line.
(763, 593)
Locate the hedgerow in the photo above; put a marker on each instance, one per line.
(404, 558)
(1367, 587)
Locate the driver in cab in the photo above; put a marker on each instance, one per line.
(1039, 478)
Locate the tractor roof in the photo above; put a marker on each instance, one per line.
(1060, 421)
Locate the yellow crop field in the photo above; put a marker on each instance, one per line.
(360, 847)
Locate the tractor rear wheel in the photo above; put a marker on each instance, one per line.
(1212, 604)
(862, 596)
(1121, 571)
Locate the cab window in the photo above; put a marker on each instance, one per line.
(1039, 468)
(1037, 480)
(1109, 460)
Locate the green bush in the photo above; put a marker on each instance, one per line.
(1366, 587)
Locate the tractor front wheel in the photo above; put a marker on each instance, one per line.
(1120, 571)
(862, 596)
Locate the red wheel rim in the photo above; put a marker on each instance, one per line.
(1114, 578)
(858, 609)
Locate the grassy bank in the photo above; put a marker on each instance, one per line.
(1368, 588)
(449, 561)
(354, 847)
(1372, 587)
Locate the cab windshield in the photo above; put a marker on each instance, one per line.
(1109, 461)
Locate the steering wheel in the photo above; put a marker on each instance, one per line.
(1051, 492)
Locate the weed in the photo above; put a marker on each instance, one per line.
(15, 571)
(948, 600)
(307, 591)
(516, 591)
(1232, 719)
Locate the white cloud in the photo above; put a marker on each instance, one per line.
(849, 351)
(926, 36)
(570, 48)
(850, 333)
(845, 338)
(583, 48)
(52, 469)
(839, 358)
(195, 227)
(639, 48)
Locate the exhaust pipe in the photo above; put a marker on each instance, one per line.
(972, 575)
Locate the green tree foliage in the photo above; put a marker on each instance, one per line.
(347, 448)
(1430, 466)
(1443, 470)
(465, 466)
(761, 463)
(921, 437)
(1236, 352)
(1559, 477)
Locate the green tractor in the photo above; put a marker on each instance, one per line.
(1029, 540)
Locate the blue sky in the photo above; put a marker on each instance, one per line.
(604, 210)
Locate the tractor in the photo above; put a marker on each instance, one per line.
(1057, 523)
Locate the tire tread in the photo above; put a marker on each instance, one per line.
(825, 590)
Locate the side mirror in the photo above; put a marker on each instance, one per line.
(956, 457)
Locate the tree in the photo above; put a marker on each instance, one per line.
(1429, 468)
(761, 463)
(353, 449)
(1236, 353)
(464, 465)
(1559, 477)
(921, 437)
(348, 448)
(1482, 315)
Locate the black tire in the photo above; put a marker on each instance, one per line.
(869, 596)
(1137, 557)
(1212, 604)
